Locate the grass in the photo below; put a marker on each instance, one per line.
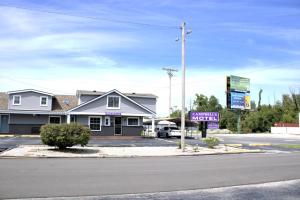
(290, 146)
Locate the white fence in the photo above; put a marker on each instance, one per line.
(285, 130)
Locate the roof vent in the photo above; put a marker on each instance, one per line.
(66, 101)
(94, 91)
(133, 93)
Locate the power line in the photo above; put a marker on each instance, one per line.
(92, 18)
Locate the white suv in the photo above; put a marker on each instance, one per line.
(169, 132)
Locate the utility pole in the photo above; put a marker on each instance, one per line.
(183, 35)
(170, 72)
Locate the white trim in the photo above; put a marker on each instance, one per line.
(54, 116)
(29, 90)
(133, 118)
(32, 112)
(47, 99)
(122, 114)
(113, 96)
(140, 96)
(116, 91)
(107, 117)
(20, 100)
(100, 117)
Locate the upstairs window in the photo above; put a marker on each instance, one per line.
(44, 101)
(113, 102)
(16, 100)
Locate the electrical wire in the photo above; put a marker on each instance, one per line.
(92, 18)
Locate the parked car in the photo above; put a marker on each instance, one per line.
(169, 132)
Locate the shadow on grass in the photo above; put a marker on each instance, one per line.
(76, 150)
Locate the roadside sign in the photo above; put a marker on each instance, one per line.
(239, 84)
(212, 125)
(204, 116)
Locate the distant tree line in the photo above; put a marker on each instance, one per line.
(259, 119)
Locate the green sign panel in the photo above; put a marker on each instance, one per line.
(239, 84)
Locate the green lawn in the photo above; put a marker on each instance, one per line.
(291, 146)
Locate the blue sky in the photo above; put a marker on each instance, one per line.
(88, 49)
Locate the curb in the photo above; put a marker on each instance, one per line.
(137, 156)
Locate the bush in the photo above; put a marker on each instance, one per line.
(65, 135)
(211, 142)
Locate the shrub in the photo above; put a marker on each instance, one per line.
(65, 135)
(211, 142)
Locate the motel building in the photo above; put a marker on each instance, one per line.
(105, 113)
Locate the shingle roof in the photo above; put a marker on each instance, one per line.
(98, 93)
(3, 101)
(64, 102)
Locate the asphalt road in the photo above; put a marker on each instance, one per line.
(20, 178)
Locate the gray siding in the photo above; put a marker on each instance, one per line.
(85, 98)
(109, 130)
(29, 101)
(32, 119)
(149, 103)
(132, 130)
(24, 128)
(99, 106)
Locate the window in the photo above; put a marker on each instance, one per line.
(132, 121)
(113, 102)
(107, 121)
(43, 101)
(95, 123)
(54, 119)
(16, 100)
(73, 119)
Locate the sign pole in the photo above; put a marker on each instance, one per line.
(239, 122)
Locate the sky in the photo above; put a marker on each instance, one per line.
(62, 46)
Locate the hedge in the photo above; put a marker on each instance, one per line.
(65, 135)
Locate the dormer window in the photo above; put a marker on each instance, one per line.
(113, 102)
(17, 100)
(43, 101)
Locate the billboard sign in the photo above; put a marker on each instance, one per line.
(239, 84)
(204, 116)
(212, 125)
(240, 100)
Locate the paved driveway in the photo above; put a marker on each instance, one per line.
(244, 139)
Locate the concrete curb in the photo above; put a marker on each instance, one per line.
(137, 156)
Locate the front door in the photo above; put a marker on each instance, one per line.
(118, 126)
(4, 124)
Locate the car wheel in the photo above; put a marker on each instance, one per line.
(178, 137)
(167, 135)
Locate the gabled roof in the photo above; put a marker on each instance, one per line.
(107, 93)
(29, 90)
(99, 93)
(3, 101)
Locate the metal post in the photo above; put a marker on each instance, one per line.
(183, 85)
(239, 122)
